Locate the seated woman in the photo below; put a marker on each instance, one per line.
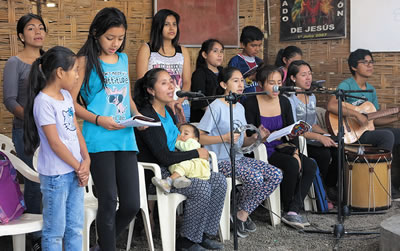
(259, 178)
(274, 112)
(205, 198)
(320, 146)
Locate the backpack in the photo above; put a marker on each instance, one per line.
(322, 201)
(12, 203)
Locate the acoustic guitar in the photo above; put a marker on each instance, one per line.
(352, 129)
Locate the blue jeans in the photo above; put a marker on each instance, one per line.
(32, 195)
(63, 212)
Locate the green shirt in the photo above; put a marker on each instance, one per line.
(351, 84)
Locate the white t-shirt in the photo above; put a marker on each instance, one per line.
(49, 111)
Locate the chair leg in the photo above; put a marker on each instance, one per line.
(19, 242)
(130, 232)
(86, 235)
(224, 224)
(274, 206)
(147, 227)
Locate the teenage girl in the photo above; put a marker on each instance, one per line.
(204, 78)
(63, 161)
(287, 56)
(104, 89)
(259, 178)
(163, 51)
(274, 112)
(319, 146)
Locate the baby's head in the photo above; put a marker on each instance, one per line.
(188, 131)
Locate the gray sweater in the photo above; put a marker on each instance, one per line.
(15, 82)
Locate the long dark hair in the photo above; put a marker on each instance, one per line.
(157, 26)
(106, 18)
(224, 75)
(140, 94)
(288, 53)
(293, 69)
(22, 23)
(42, 72)
(264, 72)
(206, 47)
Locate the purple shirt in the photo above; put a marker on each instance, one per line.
(272, 124)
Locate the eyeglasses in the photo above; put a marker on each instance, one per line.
(366, 62)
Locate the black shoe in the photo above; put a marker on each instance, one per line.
(241, 229)
(249, 225)
(37, 245)
(211, 244)
(395, 193)
(184, 244)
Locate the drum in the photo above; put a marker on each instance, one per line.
(368, 182)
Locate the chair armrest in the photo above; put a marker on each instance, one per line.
(303, 145)
(153, 167)
(260, 153)
(214, 161)
(23, 168)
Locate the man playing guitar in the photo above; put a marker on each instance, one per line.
(361, 65)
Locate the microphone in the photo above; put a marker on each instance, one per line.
(315, 85)
(277, 88)
(182, 94)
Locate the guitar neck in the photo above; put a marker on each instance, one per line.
(383, 113)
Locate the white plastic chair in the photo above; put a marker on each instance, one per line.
(224, 223)
(168, 203)
(27, 223)
(145, 212)
(91, 205)
(273, 202)
(309, 203)
(6, 143)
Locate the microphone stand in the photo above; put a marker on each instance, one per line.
(231, 98)
(338, 229)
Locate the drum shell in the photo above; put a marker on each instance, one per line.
(368, 181)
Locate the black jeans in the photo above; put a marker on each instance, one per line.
(326, 158)
(116, 179)
(293, 188)
(384, 138)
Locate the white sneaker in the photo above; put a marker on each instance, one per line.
(162, 184)
(181, 182)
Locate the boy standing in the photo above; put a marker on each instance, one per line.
(251, 41)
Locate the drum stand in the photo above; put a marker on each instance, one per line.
(338, 229)
(231, 98)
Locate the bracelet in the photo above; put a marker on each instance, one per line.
(97, 117)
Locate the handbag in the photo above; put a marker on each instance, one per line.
(286, 148)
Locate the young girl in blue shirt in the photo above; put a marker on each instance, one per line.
(104, 90)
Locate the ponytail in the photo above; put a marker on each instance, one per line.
(141, 96)
(288, 53)
(42, 72)
(279, 59)
(37, 82)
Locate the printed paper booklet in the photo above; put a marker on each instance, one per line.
(292, 131)
(139, 120)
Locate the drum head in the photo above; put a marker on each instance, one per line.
(372, 154)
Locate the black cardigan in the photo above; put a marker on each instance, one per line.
(152, 143)
(206, 81)
(253, 112)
